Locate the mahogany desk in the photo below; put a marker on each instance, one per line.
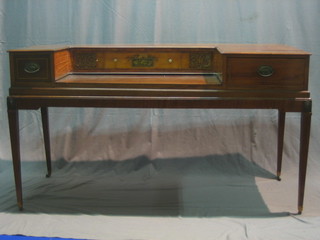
(225, 76)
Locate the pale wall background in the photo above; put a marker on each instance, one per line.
(79, 135)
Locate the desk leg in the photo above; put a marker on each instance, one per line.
(46, 136)
(281, 126)
(13, 117)
(304, 147)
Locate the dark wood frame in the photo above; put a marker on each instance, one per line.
(16, 103)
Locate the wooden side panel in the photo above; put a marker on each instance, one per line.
(62, 63)
(219, 66)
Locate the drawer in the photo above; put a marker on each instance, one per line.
(267, 72)
(31, 67)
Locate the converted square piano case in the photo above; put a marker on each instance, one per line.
(230, 76)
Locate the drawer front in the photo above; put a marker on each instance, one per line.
(267, 72)
(143, 60)
(31, 67)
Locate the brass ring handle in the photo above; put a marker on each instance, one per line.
(31, 67)
(265, 71)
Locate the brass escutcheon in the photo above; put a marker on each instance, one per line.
(265, 71)
(31, 67)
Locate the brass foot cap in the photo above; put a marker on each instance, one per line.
(300, 209)
(278, 176)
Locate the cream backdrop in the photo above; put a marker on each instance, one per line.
(169, 150)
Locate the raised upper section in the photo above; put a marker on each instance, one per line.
(221, 67)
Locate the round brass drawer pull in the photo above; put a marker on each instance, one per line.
(31, 67)
(265, 71)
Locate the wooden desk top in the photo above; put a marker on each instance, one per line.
(223, 48)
